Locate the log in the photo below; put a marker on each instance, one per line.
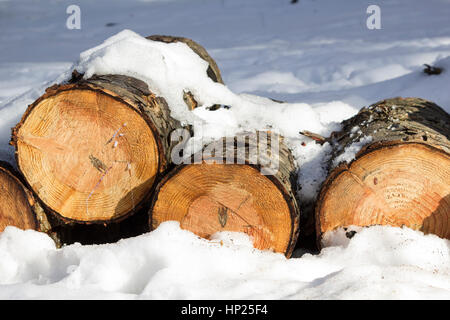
(225, 190)
(401, 175)
(18, 207)
(92, 149)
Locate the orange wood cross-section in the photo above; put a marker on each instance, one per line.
(207, 198)
(89, 157)
(400, 185)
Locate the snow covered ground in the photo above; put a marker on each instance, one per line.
(318, 55)
(170, 263)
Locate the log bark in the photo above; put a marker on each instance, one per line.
(399, 177)
(18, 206)
(224, 189)
(91, 150)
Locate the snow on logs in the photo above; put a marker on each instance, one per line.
(92, 149)
(213, 71)
(400, 174)
(241, 184)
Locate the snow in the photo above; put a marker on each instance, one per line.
(168, 69)
(350, 151)
(171, 263)
(318, 56)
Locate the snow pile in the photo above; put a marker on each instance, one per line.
(168, 69)
(170, 263)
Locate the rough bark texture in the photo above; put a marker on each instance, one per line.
(128, 92)
(400, 176)
(222, 183)
(398, 120)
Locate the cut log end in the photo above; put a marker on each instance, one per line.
(15, 203)
(208, 198)
(88, 156)
(405, 184)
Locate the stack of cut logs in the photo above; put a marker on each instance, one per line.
(94, 160)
